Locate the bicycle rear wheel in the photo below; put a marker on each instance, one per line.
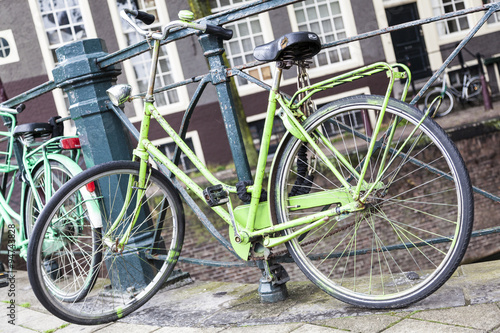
(126, 279)
(414, 228)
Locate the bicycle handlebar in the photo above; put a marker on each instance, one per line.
(208, 28)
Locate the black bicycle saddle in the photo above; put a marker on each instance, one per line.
(36, 128)
(293, 46)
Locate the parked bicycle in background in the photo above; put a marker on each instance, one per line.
(45, 160)
(469, 90)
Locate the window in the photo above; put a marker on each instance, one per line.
(452, 25)
(8, 49)
(247, 34)
(326, 19)
(137, 68)
(63, 22)
(60, 22)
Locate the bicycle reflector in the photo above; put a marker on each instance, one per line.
(119, 94)
(90, 187)
(70, 143)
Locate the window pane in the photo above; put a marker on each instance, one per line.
(339, 23)
(256, 27)
(464, 24)
(452, 26)
(323, 11)
(243, 29)
(247, 45)
(311, 14)
(4, 48)
(259, 40)
(300, 16)
(335, 8)
(234, 47)
(327, 26)
(53, 37)
(66, 35)
(334, 56)
(346, 53)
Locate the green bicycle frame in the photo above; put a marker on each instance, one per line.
(244, 224)
(31, 158)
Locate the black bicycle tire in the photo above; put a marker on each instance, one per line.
(465, 190)
(34, 247)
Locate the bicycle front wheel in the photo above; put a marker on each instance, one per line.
(447, 101)
(412, 230)
(70, 231)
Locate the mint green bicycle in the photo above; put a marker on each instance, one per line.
(45, 160)
(377, 218)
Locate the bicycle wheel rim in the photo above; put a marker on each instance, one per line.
(347, 267)
(117, 290)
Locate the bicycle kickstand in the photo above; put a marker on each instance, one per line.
(272, 284)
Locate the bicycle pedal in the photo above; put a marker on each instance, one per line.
(215, 195)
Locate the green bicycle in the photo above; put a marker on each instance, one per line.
(45, 161)
(378, 219)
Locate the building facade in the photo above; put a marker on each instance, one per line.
(27, 53)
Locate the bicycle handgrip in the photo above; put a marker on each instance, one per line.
(145, 17)
(226, 34)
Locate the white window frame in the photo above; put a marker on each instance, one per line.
(13, 55)
(173, 55)
(195, 138)
(441, 25)
(267, 34)
(46, 48)
(354, 47)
